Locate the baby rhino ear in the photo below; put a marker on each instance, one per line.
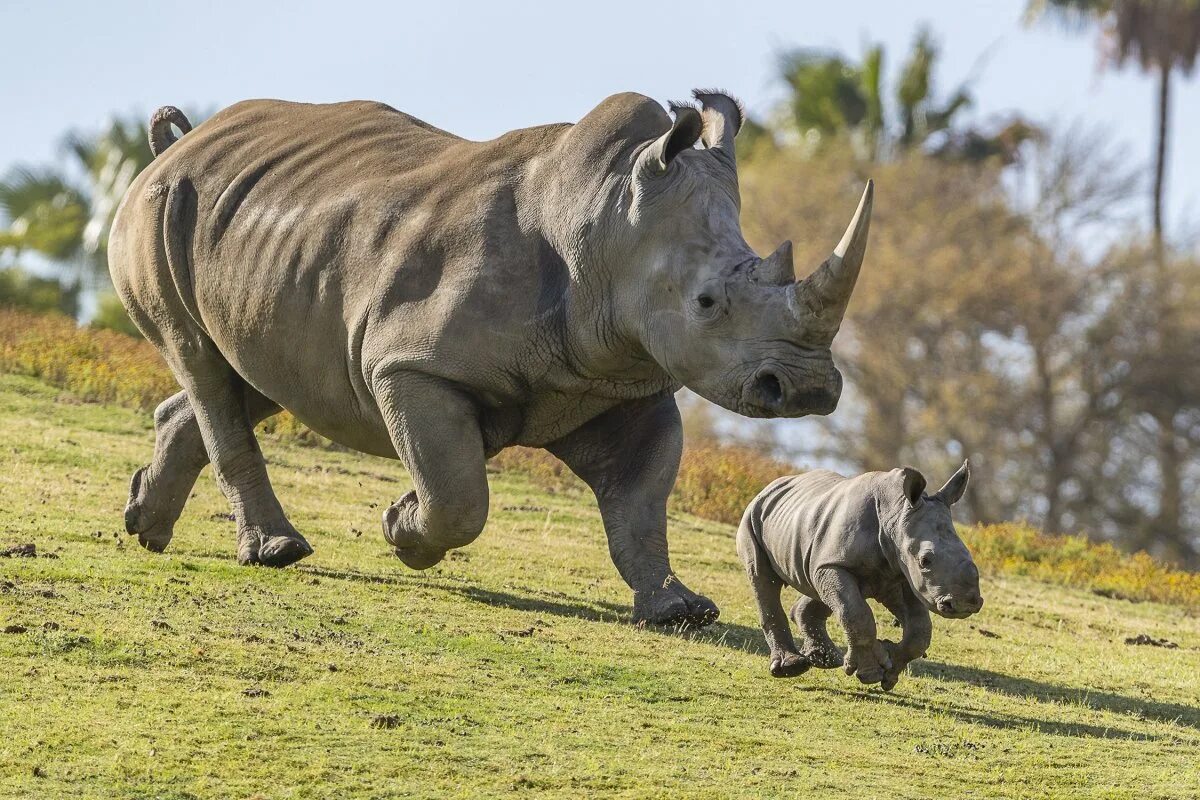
(952, 492)
(912, 484)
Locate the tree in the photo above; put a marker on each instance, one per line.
(63, 213)
(832, 97)
(1162, 36)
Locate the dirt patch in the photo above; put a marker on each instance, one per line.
(385, 721)
(26, 550)
(15, 629)
(256, 691)
(1150, 641)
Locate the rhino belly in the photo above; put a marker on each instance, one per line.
(296, 348)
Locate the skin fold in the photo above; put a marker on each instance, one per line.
(840, 541)
(414, 295)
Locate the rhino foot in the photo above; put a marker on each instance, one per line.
(788, 665)
(154, 528)
(900, 661)
(256, 546)
(400, 531)
(674, 604)
(823, 656)
(419, 557)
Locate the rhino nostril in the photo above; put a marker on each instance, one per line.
(770, 389)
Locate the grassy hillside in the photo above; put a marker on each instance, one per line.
(510, 667)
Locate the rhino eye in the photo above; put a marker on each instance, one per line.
(925, 560)
(705, 301)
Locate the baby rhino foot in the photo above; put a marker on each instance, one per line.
(788, 665)
(900, 662)
(869, 663)
(823, 656)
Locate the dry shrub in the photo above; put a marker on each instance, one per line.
(718, 482)
(539, 466)
(101, 366)
(95, 365)
(1017, 549)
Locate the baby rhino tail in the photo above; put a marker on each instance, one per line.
(161, 136)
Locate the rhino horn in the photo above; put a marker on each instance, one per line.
(777, 269)
(826, 292)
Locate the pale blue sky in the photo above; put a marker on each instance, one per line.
(480, 68)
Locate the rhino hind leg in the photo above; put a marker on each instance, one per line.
(159, 490)
(811, 617)
(221, 402)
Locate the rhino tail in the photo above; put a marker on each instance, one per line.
(161, 135)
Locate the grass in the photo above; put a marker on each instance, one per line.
(510, 668)
(715, 482)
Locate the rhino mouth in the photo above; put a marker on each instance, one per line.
(951, 608)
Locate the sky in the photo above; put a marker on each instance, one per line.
(481, 68)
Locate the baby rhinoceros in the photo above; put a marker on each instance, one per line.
(839, 541)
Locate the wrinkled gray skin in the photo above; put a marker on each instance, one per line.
(839, 541)
(414, 295)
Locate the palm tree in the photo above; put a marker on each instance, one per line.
(1161, 35)
(63, 218)
(831, 96)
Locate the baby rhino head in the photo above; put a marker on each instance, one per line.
(936, 562)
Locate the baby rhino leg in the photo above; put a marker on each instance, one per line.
(811, 616)
(786, 662)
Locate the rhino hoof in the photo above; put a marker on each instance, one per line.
(825, 658)
(138, 522)
(674, 605)
(280, 551)
(789, 665)
(419, 557)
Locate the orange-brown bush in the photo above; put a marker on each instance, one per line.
(1017, 549)
(718, 482)
(715, 482)
(95, 365)
(100, 366)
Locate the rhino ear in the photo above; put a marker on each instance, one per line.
(912, 486)
(684, 133)
(952, 492)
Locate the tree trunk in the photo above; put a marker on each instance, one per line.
(1167, 527)
(1160, 160)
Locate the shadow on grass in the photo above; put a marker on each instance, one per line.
(1001, 721)
(738, 637)
(750, 640)
(1014, 686)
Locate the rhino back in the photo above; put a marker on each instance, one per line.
(327, 239)
(818, 519)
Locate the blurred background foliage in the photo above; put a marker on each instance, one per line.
(1016, 307)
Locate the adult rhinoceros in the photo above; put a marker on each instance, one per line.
(414, 295)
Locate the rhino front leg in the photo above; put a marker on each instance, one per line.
(918, 632)
(160, 489)
(786, 661)
(811, 617)
(866, 657)
(435, 430)
(629, 456)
